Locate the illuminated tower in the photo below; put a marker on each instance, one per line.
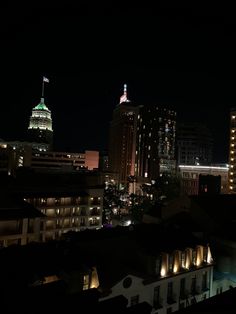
(232, 152)
(40, 126)
(122, 139)
(155, 144)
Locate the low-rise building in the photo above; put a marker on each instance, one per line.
(168, 273)
(189, 175)
(20, 222)
(68, 210)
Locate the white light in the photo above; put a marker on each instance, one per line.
(203, 167)
(231, 188)
(233, 117)
(163, 272)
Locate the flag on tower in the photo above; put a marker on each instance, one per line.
(45, 79)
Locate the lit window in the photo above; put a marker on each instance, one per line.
(232, 130)
(232, 159)
(231, 180)
(231, 166)
(232, 152)
(231, 188)
(232, 145)
(232, 138)
(233, 117)
(231, 173)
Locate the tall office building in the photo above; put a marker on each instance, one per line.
(194, 145)
(155, 142)
(232, 152)
(40, 126)
(122, 139)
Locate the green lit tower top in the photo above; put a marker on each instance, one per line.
(40, 125)
(41, 117)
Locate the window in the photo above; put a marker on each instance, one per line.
(194, 257)
(182, 288)
(182, 259)
(182, 305)
(170, 292)
(204, 281)
(170, 263)
(193, 285)
(156, 296)
(85, 282)
(134, 300)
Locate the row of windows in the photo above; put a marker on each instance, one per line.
(171, 298)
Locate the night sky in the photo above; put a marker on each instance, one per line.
(182, 56)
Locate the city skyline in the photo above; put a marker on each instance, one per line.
(171, 57)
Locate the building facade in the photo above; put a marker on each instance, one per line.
(194, 145)
(181, 278)
(232, 152)
(62, 160)
(189, 175)
(68, 211)
(20, 222)
(40, 125)
(155, 142)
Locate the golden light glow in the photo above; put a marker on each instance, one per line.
(232, 159)
(231, 173)
(231, 166)
(232, 138)
(232, 130)
(231, 151)
(232, 145)
(209, 256)
(163, 272)
(175, 269)
(233, 117)
(231, 180)
(231, 188)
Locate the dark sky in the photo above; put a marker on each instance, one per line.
(179, 55)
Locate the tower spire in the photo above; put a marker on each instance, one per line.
(44, 80)
(124, 97)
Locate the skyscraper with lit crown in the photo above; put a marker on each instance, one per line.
(122, 139)
(40, 125)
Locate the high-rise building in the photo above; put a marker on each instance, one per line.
(122, 139)
(40, 126)
(232, 152)
(194, 145)
(155, 142)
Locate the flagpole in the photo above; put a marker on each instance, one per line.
(43, 88)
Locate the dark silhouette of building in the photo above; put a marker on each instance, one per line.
(122, 139)
(194, 145)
